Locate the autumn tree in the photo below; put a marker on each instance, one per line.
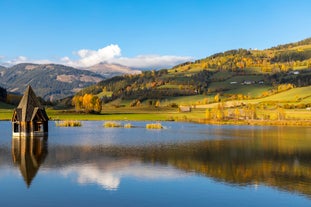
(252, 111)
(96, 104)
(205, 101)
(88, 103)
(217, 97)
(158, 103)
(77, 101)
(281, 113)
(208, 114)
(237, 113)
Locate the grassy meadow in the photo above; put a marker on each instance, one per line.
(120, 110)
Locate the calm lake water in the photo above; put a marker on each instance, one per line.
(182, 165)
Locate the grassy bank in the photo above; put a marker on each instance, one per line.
(259, 122)
(292, 104)
(295, 117)
(130, 114)
(6, 114)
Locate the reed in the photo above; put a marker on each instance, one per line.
(112, 124)
(128, 125)
(69, 123)
(154, 126)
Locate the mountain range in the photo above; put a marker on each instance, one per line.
(50, 81)
(54, 81)
(109, 70)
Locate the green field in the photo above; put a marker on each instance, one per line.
(293, 95)
(6, 114)
(6, 111)
(250, 90)
(233, 85)
(187, 100)
(120, 109)
(129, 114)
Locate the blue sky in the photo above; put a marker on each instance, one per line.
(142, 33)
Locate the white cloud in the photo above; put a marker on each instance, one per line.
(152, 61)
(89, 58)
(19, 59)
(110, 54)
(23, 59)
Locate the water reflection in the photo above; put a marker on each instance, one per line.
(29, 153)
(277, 157)
(109, 174)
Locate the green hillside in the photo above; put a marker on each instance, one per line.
(302, 94)
(271, 84)
(248, 73)
(292, 56)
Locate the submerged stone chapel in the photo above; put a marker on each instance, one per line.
(29, 118)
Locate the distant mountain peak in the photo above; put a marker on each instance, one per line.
(110, 69)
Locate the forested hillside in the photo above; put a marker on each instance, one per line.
(152, 85)
(276, 59)
(3, 94)
(251, 73)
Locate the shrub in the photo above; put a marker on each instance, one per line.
(173, 105)
(128, 125)
(69, 124)
(154, 126)
(111, 124)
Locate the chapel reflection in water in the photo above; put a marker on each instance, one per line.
(278, 158)
(29, 153)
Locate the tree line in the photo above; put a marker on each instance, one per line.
(241, 59)
(87, 103)
(151, 85)
(3, 94)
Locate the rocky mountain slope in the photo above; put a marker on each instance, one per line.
(108, 70)
(50, 81)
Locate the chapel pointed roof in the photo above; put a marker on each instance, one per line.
(29, 106)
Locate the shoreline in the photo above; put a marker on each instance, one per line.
(159, 116)
(259, 122)
(295, 123)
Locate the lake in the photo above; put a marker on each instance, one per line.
(184, 164)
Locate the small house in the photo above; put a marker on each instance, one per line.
(29, 118)
(184, 109)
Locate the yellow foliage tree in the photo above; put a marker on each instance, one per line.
(281, 113)
(97, 104)
(88, 103)
(77, 102)
(208, 114)
(237, 113)
(205, 101)
(217, 97)
(158, 103)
